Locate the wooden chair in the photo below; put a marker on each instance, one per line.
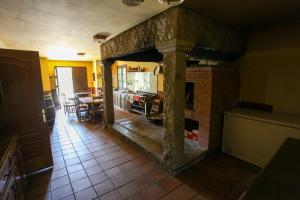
(65, 104)
(156, 113)
(99, 92)
(69, 107)
(97, 107)
(82, 110)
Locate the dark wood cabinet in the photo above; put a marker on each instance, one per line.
(21, 107)
(12, 175)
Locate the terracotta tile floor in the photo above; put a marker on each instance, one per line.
(93, 163)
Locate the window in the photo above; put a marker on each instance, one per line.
(122, 77)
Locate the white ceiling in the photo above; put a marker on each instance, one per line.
(58, 29)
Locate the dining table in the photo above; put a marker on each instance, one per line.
(90, 100)
(82, 94)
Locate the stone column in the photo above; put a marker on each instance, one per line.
(175, 54)
(107, 92)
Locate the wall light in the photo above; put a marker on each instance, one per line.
(101, 37)
(132, 2)
(170, 2)
(138, 2)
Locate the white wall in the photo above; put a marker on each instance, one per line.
(270, 69)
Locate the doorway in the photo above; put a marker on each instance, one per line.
(65, 83)
(69, 81)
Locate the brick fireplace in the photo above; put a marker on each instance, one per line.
(215, 90)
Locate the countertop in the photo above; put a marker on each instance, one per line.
(280, 178)
(274, 118)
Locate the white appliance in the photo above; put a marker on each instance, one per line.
(255, 136)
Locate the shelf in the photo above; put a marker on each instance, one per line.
(138, 106)
(138, 111)
(135, 71)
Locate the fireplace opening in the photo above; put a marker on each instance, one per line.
(191, 125)
(191, 129)
(189, 95)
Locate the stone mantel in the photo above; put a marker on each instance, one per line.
(179, 24)
(174, 45)
(142, 36)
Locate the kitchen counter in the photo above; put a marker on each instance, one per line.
(280, 178)
(274, 118)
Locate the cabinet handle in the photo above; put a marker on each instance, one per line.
(13, 187)
(1, 93)
(6, 176)
(9, 173)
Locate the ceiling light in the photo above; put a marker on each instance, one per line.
(101, 37)
(170, 2)
(81, 54)
(132, 2)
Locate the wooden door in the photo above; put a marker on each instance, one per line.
(55, 89)
(21, 107)
(80, 83)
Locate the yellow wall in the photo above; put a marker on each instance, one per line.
(270, 69)
(47, 69)
(148, 66)
(45, 74)
(99, 72)
(2, 45)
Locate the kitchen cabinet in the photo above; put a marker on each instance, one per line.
(21, 107)
(12, 174)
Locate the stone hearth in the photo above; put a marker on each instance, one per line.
(175, 33)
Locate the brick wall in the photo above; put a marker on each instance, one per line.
(202, 78)
(215, 90)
